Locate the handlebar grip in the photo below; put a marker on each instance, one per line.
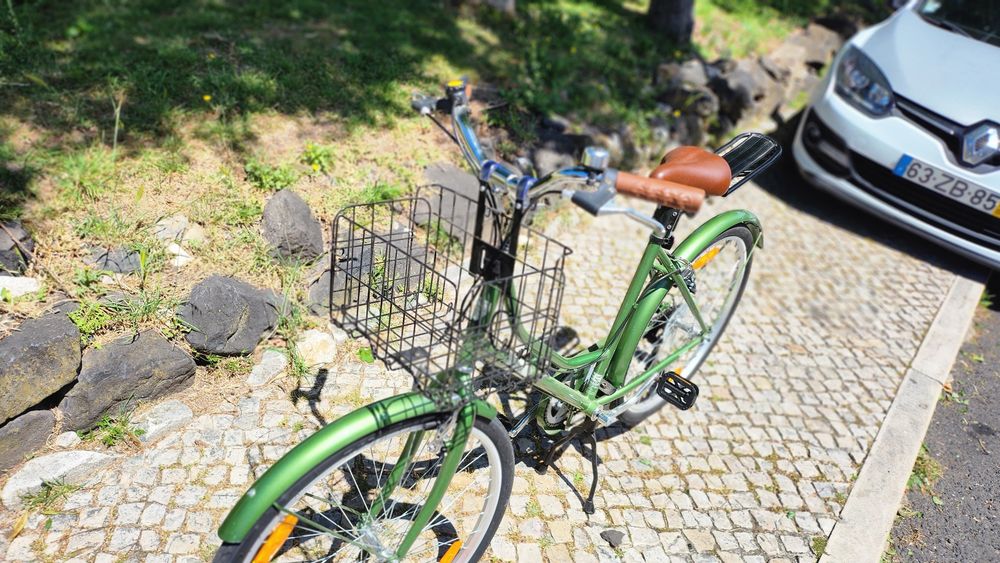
(669, 194)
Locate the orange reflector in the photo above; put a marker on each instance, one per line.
(705, 258)
(276, 539)
(452, 552)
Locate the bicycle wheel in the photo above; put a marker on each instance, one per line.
(338, 495)
(721, 272)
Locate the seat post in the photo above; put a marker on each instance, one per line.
(668, 217)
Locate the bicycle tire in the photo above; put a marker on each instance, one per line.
(488, 432)
(651, 402)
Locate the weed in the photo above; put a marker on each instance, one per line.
(236, 367)
(317, 157)
(210, 360)
(229, 131)
(889, 556)
(545, 542)
(906, 511)
(106, 230)
(432, 289)
(50, 497)
(298, 425)
(87, 279)
(578, 479)
(366, 356)
(239, 212)
(440, 237)
(819, 546)
(378, 192)
(986, 300)
(269, 178)
(926, 472)
(645, 440)
(169, 157)
(949, 395)
(90, 318)
(112, 430)
(87, 175)
(533, 509)
(978, 358)
(152, 257)
(292, 321)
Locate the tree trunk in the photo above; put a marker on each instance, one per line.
(674, 19)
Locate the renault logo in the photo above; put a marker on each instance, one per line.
(981, 143)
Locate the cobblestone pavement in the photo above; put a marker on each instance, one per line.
(759, 469)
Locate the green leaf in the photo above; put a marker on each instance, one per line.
(937, 501)
(366, 356)
(790, 514)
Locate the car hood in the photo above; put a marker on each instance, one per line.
(948, 73)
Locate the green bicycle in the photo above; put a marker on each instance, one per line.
(462, 297)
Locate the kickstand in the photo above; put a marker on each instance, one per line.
(586, 431)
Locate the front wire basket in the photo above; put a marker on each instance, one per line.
(435, 285)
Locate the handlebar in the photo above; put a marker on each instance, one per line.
(528, 189)
(669, 194)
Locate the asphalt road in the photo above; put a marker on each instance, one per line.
(958, 518)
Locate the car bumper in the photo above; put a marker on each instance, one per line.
(853, 157)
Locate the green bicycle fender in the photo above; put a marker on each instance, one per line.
(324, 443)
(714, 227)
(654, 293)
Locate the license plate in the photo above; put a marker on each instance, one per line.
(933, 178)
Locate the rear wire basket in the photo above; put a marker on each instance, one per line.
(410, 276)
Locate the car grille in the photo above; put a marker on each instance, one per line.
(948, 131)
(936, 209)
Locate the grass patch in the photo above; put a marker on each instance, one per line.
(269, 178)
(440, 237)
(431, 289)
(87, 175)
(926, 472)
(90, 318)
(738, 29)
(987, 300)
(236, 367)
(226, 204)
(818, 544)
(112, 430)
(378, 192)
(318, 158)
(49, 499)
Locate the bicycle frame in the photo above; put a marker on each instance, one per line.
(610, 358)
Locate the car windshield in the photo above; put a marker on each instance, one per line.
(978, 19)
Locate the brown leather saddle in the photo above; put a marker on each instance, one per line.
(695, 167)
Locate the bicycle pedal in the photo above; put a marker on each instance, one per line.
(677, 391)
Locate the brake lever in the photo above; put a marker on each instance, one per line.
(592, 202)
(423, 104)
(601, 203)
(427, 105)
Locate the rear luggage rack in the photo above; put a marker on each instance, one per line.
(748, 154)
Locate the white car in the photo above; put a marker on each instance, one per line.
(906, 124)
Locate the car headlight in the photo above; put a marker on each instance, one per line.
(862, 84)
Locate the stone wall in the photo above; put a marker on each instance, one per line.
(52, 382)
(700, 102)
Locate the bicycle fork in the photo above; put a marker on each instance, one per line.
(463, 422)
